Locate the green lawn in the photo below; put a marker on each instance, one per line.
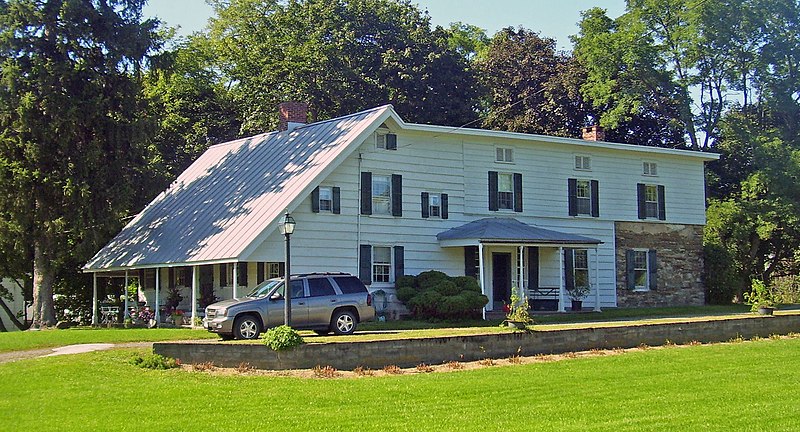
(725, 387)
(27, 340)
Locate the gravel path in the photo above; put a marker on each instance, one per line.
(69, 349)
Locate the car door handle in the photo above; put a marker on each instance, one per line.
(301, 303)
(333, 300)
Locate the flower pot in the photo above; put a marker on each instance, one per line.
(764, 310)
(577, 305)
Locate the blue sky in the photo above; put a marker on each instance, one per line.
(552, 18)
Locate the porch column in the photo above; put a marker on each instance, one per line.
(596, 280)
(523, 292)
(195, 285)
(235, 279)
(561, 307)
(480, 273)
(158, 284)
(126, 314)
(94, 298)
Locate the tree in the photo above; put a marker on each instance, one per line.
(69, 127)
(338, 56)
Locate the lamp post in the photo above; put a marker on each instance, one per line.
(287, 229)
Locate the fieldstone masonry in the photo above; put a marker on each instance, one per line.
(679, 253)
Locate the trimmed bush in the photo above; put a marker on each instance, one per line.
(434, 295)
(282, 338)
(154, 361)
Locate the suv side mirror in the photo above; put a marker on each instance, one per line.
(276, 296)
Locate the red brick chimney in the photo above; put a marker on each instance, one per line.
(291, 115)
(594, 133)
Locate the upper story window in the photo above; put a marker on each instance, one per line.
(651, 201)
(325, 199)
(381, 194)
(583, 163)
(434, 205)
(385, 140)
(649, 169)
(504, 154)
(505, 191)
(583, 195)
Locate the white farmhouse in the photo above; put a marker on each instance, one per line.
(378, 197)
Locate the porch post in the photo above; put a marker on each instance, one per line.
(523, 293)
(480, 273)
(94, 298)
(195, 284)
(596, 280)
(158, 283)
(126, 315)
(561, 307)
(235, 279)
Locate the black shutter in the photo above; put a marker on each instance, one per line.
(572, 196)
(533, 268)
(470, 260)
(493, 196)
(640, 196)
(397, 195)
(366, 193)
(517, 192)
(569, 266)
(207, 276)
(337, 200)
(425, 203)
(188, 276)
(282, 269)
(242, 274)
(391, 142)
(630, 269)
(223, 275)
(443, 211)
(315, 200)
(595, 198)
(365, 264)
(171, 277)
(652, 268)
(399, 262)
(259, 272)
(662, 207)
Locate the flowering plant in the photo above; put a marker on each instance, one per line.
(145, 315)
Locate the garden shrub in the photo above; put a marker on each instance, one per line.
(154, 361)
(722, 283)
(282, 338)
(434, 295)
(786, 289)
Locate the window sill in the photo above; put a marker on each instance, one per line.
(640, 290)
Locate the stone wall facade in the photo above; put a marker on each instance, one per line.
(679, 253)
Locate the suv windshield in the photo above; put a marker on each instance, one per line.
(265, 287)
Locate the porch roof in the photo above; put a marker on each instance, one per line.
(509, 230)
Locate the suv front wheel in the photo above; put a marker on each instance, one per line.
(343, 322)
(246, 327)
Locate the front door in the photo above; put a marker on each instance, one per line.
(501, 279)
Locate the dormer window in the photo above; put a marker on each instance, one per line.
(649, 169)
(504, 155)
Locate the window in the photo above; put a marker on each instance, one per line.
(581, 267)
(381, 264)
(504, 154)
(325, 199)
(640, 270)
(435, 205)
(583, 195)
(380, 140)
(505, 191)
(381, 194)
(583, 163)
(318, 287)
(350, 285)
(651, 201)
(649, 169)
(180, 277)
(274, 270)
(385, 140)
(297, 289)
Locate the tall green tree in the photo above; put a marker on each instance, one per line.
(69, 128)
(339, 56)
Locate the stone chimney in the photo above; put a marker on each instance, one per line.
(292, 115)
(594, 133)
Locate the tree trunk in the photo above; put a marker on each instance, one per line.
(43, 276)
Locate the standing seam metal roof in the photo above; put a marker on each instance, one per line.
(512, 231)
(231, 195)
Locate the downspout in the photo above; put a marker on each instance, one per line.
(358, 212)
(596, 279)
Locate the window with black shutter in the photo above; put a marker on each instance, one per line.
(471, 263)
(397, 195)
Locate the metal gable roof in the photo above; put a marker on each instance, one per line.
(230, 196)
(510, 230)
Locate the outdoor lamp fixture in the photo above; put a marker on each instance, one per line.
(287, 229)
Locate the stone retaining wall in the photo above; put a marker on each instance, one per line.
(412, 352)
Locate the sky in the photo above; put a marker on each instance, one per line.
(552, 18)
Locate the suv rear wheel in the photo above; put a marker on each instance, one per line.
(343, 322)
(246, 327)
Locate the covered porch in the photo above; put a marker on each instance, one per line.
(505, 254)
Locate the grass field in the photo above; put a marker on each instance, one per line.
(28, 340)
(726, 387)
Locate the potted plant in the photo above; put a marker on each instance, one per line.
(518, 315)
(577, 293)
(760, 298)
(177, 317)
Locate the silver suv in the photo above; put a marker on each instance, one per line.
(322, 302)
